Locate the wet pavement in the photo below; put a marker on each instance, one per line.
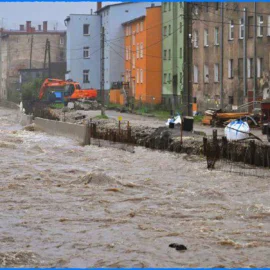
(63, 205)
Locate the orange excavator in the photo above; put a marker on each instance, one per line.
(55, 90)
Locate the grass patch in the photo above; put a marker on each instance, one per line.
(198, 118)
(57, 106)
(162, 115)
(101, 117)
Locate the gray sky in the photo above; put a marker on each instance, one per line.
(14, 14)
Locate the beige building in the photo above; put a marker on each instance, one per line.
(246, 54)
(25, 49)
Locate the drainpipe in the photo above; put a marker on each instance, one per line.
(221, 55)
(245, 53)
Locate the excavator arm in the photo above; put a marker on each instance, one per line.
(50, 83)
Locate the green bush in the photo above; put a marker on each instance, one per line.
(30, 90)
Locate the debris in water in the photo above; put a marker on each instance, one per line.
(113, 189)
(178, 246)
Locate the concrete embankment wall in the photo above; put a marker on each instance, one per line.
(22, 118)
(9, 104)
(76, 132)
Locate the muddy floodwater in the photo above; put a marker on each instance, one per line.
(63, 205)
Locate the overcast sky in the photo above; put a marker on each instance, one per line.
(14, 14)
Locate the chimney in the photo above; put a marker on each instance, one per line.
(45, 26)
(39, 27)
(99, 5)
(21, 27)
(28, 26)
(152, 5)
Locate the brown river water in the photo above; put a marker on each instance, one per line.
(63, 205)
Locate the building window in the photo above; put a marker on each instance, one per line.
(127, 53)
(180, 27)
(268, 25)
(141, 76)
(205, 37)
(206, 7)
(126, 31)
(180, 4)
(165, 31)
(180, 77)
(138, 50)
(259, 26)
(137, 28)
(165, 7)
(216, 76)
(86, 76)
(241, 28)
(169, 6)
(250, 26)
(169, 29)
(181, 52)
(216, 5)
(230, 68)
(165, 78)
(216, 35)
(231, 30)
(169, 77)
(240, 68)
(138, 76)
(195, 39)
(141, 26)
(206, 74)
(259, 67)
(133, 38)
(86, 29)
(141, 50)
(195, 9)
(61, 41)
(169, 54)
(133, 60)
(165, 55)
(195, 74)
(86, 52)
(249, 67)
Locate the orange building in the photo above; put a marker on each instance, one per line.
(143, 56)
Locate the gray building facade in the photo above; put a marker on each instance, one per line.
(83, 49)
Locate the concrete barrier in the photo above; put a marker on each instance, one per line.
(77, 132)
(24, 119)
(9, 104)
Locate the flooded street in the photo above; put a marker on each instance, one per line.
(63, 205)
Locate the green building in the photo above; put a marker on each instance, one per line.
(173, 53)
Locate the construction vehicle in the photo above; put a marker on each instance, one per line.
(55, 90)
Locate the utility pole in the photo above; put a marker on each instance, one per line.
(255, 55)
(187, 93)
(102, 71)
(189, 62)
(45, 58)
(31, 51)
(245, 53)
(221, 55)
(49, 56)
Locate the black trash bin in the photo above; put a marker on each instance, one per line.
(188, 123)
(171, 125)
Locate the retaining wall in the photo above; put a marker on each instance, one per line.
(76, 132)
